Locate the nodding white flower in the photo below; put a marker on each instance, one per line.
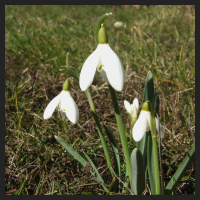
(132, 109)
(143, 123)
(65, 103)
(118, 24)
(106, 62)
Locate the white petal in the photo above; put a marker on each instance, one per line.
(51, 107)
(69, 106)
(133, 112)
(88, 70)
(148, 117)
(161, 127)
(127, 106)
(113, 66)
(139, 129)
(136, 103)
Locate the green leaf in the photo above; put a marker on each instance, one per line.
(153, 104)
(115, 150)
(98, 25)
(174, 181)
(148, 95)
(70, 72)
(99, 178)
(79, 158)
(150, 163)
(115, 154)
(149, 88)
(71, 150)
(138, 172)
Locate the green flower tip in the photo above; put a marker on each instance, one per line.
(102, 35)
(145, 106)
(66, 85)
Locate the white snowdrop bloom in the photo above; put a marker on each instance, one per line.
(65, 103)
(106, 62)
(161, 127)
(118, 24)
(143, 123)
(132, 109)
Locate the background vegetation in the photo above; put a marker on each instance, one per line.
(38, 38)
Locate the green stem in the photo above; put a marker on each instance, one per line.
(121, 130)
(96, 119)
(156, 166)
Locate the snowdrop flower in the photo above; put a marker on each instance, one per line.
(106, 62)
(143, 123)
(64, 103)
(118, 24)
(132, 109)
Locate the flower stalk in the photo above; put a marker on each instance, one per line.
(96, 119)
(121, 130)
(155, 147)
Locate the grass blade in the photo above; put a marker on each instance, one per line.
(171, 186)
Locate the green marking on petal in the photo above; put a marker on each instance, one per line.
(63, 109)
(100, 67)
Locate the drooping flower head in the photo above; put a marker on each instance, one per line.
(143, 123)
(64, 103)
(132, 109)
(106, 62)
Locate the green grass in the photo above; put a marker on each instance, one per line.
(37, 40)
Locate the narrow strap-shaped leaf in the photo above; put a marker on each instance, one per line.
(117, 167)
(150, 163)
(138, 172)
(98, 25)
(148, 95)
(115, 150)
(121, 129)
(70, 72)
(72, 151)
(149, 88)
(99, 178)
(174, 181)
(78, 157)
